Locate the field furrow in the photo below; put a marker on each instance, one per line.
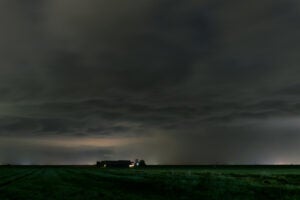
(16, 178)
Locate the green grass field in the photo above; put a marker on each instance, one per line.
(206, 182)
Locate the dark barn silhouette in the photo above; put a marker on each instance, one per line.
(114, 164)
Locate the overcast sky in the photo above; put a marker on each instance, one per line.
(171, 82)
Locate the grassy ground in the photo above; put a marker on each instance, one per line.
(258, 182)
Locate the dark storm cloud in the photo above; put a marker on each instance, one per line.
(127, 68)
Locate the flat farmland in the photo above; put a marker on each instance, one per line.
(154, 182)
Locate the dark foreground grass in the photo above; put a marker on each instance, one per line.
(169, 182)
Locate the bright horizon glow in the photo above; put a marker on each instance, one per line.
(75, 142)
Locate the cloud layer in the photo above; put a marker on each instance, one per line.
(210, 79)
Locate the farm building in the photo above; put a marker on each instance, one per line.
(114, 164)
(120, 163)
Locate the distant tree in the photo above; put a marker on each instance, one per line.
(136, 163)
(142, 163)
